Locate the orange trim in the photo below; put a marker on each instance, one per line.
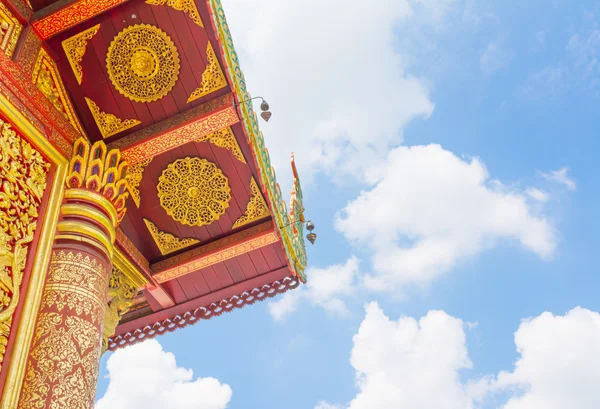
(218, 256)
(72, 15)
(178, 130)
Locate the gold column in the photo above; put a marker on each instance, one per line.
(62, 368)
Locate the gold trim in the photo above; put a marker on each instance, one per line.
(109, 124)
(75, 209)
(256, 209)
(217, 257)
(224, 138)
(134, 176)
(168, 243)
(82, 194)
(121, 262)
(187, 6)
(212, 78)
(91, 231)
(83, 240)
(11, 31)
(75, 48)
(33, 293)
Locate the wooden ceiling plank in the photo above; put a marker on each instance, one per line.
(188, 287)
(271, 257)
(259, 261)
(235, 270)
(247, 266)
(200, 283)
(174, 289)
(211, 279)
(186, 75)
(222, 273)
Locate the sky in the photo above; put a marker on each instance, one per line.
(446, 150)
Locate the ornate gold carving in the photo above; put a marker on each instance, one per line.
(143, 63)
(134, 178)
(63, 365)
(10, 29)
(167, 243)
(75, 48)
(187, 6)
(225, 138)
(194, 191)
(47, 78)
(256, 209)
(23, 173)
(121, 295)
(216, 255)
(212, 77)
(109, 124)
(101, 172)
(67, 356)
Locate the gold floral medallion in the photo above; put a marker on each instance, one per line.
(194, 191)
(143, 63)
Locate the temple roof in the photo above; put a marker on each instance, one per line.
(206, 228)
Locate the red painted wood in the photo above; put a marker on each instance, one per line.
(213, 297)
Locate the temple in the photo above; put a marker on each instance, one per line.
(136, 193)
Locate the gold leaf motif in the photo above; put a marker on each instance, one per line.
(256, 209)
(23, 173)
(134, 178)
(187, 6)
(143, 63)
(225, 138)
(109, 124)
(48, 80)
(121, 294)
(194, 191)
(10, 29)
(212, 78)
(167, 243)
(75, 48)
(62, 368)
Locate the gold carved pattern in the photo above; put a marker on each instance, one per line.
(180, 136)
(187, 6)
(225, 138)
(101, 171)
(167, 243)
(212, 77)
(72, 15)
(121, 294)
(47, 78)
(257, 207)
(194, 191)
(143, 63)
(75, 48)
(63, 365)
(29, 51)
(10, 29)
(134, 178)
(217, 257)
(109, 124)
(23, 173)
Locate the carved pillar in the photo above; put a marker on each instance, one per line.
(62, 368)
(121, 293)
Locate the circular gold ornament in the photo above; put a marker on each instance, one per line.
(194, 191)
(143, 63)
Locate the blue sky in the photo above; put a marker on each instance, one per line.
(448, 155)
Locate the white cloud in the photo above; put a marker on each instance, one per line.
(495, 58)
(335, 81)
(559, 363)
(409, 363)
(324, 288)
(560, 176)
(430, 210)
(537, 194)
(417, 364)
(143, 376)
